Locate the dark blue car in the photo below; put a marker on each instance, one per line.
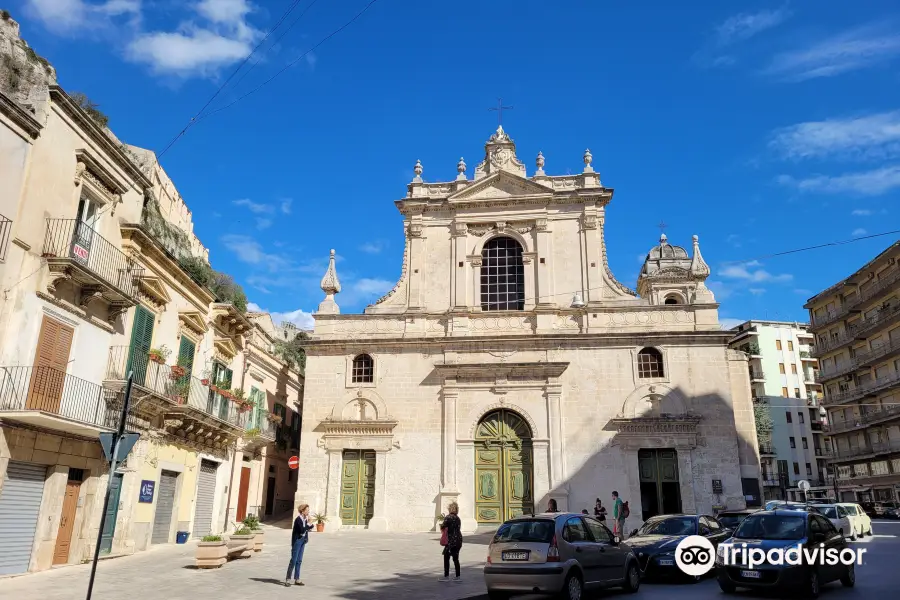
(773, 529)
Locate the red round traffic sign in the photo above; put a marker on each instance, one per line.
(294, 462)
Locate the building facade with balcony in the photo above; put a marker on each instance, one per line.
(857, 328)
(785, 392)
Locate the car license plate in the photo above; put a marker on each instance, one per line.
(750, 574)
(515, 556)
(666, 562)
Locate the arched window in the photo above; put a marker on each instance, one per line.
(363, 369)
(672, 299)
(650, 363)
(502, 275)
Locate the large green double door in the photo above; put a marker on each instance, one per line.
(357, 487)
(504, 468)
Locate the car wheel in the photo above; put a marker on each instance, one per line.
(812, 585)
(632, 579)
(727, 587)
(849, 577)
(573, 588)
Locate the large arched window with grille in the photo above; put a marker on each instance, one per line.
(650, 363)
(502, 275)
(363, 369)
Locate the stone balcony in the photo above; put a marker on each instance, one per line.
(869, 450)
(259, 434)
(853, 304)
(869, 389)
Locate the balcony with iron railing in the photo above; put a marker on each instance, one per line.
(259, 431)
(5, 231)
(828, 373)
(74, 251)
(872, 449)
(766, 450)
(158, 387)
(823, 452)
(806, 355)
(819, 426)
(768, 482)
(854, 301)
(870, 388)
(878, 352)
(757, 375)
(55, 400)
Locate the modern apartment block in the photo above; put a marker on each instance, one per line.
(857, 326)
(787, 399)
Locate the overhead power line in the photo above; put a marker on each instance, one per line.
(193, 120)
(816, 247)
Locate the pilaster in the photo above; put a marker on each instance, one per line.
(450, 395)
(460, 265)
(593, 255)
(379, 521)
(333, 495)
(543, 271)
(553, 393)
(416, 262)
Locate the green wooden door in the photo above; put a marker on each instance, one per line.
(186, 352)
(357, 487)
(112, 513)
(141, 338)
(660, 486)
(504, 468)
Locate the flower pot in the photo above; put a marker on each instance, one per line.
(157, 359)
(248, 541)
(211, 555)
(259, 539)
(320, 527)
(205, 382)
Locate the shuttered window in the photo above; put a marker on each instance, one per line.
(281, 428)
(221, 378)
(141, 340)
(186, 351)
(50, 363)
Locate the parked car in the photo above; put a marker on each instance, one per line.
(767, 530)
(782, 504)
(730, 519)
(892, 513)
(838, 517)
(558, 553)
(656, 540)
(859, 520)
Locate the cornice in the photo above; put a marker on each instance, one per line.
(531, 371)
(20, 116)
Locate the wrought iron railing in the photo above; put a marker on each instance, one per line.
(766, 449)
(859, 298)
(200, 397)
(757, 374)
(259, 425)
(873, 448)
(75, 240)
(877, 352)
(49, 390)
(163, 380)
(5, 231)
(865, 389)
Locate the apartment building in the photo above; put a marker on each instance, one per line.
(102, 277)
(857, 326)
(787, 399)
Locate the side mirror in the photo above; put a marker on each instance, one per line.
(633, 532)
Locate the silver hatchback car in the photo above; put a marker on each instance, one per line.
(559, 554)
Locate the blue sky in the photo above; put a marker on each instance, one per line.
(759, 126)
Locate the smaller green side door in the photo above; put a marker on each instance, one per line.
(112, 512)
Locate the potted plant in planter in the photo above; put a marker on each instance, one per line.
(272, 417)
(159, 355)
(180, 392)
(320, 520)
(439, 521)
(243, 537)
(177, 372)
(204, 378)
(252, 523)
(212, 552)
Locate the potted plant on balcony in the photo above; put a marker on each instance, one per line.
(204, 377)
(273, 418)
(159, 355)
(252, 523)
(180, 392)
(243, 537)
(177, 372)
(320, 520)
(212, 552)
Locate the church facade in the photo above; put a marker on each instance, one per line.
(509, 367)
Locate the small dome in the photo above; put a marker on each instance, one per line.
(666, 250)
(665, 257)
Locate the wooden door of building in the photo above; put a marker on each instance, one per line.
(48, 375)
(358, 487)
(67, 518)
(660, 484)
(504, 471)
(243, 490)
(112, 513)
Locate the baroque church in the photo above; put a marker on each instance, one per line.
(509, 367)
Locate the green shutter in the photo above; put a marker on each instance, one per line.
(186, 352)
(141, 338)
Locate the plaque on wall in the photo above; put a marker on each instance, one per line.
(717, 486)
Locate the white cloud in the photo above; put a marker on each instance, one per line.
(286, 205)
(79, 16)
(757, 291)
(253, 207)
(734, 239)
(719, 289)
(262, 223)
(870, 136)
(861, 48)
(251, 252)
(861, 212)
(858, 232)
(363, 291)
(865, 183)
(372, 247)
(746, 272)
(199, 50)
(299, 317)
(729, 323)
(744, 26)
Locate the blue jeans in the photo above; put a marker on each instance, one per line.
(296, 557)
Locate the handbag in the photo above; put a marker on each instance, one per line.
(445, 536)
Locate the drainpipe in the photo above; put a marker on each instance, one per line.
(234, 448)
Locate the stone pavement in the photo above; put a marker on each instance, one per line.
(363, 565)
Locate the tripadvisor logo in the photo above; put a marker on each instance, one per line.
(695, 555)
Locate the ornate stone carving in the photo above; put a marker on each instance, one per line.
(372, 325)
(415, 230)
(590, 221)
(459, 229)
(501, 226)
(480, 229)
(646, 318)
(568, 322)
(482, 323)
(541, 224)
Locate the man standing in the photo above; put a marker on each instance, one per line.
(618, 516)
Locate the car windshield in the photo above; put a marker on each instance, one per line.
(671, 526)
(828, 511)
(771, 527)
(731, 521)
(526, 531)
(851, 510)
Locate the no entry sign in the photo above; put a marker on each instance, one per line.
(294, 462)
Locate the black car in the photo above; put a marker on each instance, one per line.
(655, 542)
(730, 519)
(783, 528)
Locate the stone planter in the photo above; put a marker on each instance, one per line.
(236, 541)
(211, 555)
(259, 539)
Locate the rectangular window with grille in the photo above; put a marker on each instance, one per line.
(502, 275)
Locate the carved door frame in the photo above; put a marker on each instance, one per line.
(504, 467)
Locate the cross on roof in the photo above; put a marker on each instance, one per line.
(500, 108)
(662, 226)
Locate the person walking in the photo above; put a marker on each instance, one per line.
(451, 539)
(551, 506)
(599, 510)
(619, 514)
(299, 539)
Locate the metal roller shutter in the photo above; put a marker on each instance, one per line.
(206, 496)
(165, 504)
(20, 503)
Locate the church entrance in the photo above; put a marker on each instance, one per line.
(660, 488)
(503, 467)
(357, 487)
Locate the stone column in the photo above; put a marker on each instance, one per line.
(593, 267)
(541, 475)
(544, 249)
(449, 395)
(416, 263)
(460, 266)
(333, 493)
(553, 392)
(465, 452)
(476, 282)
(379, 521)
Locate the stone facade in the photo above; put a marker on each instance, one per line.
(544, 334)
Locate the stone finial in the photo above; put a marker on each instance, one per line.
(588, 159)
(663, 239)
(331, 285)
(539, 162)
(461, 169)
(418, 171)
(699, 268)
